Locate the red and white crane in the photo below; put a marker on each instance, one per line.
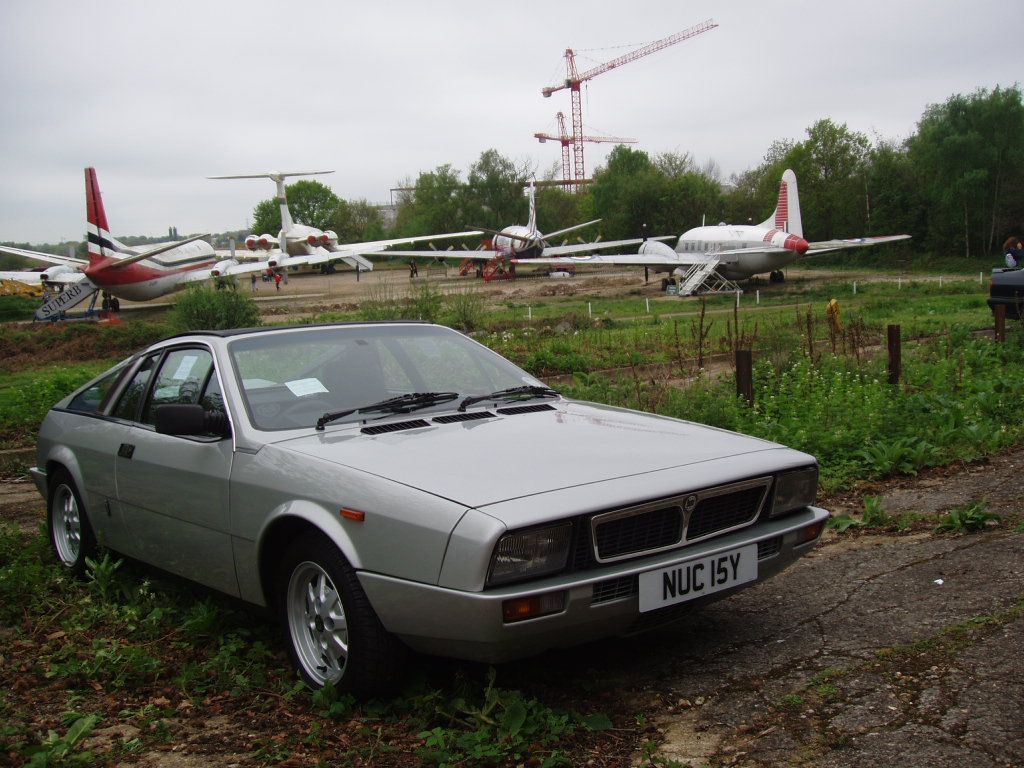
(566, 140)
(574, 79)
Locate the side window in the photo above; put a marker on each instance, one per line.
(128, 405)
(89, 400)
(181, 379)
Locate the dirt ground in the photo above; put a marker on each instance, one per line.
(879, 649)
(306, 294)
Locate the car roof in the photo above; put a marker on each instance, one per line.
(269, 328)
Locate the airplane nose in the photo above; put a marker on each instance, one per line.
(798, 244)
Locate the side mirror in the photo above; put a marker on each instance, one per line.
(188, 419)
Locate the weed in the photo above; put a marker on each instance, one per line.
(791, 701)
(209, 307)
(965, 519)
(499, 726)
(60, 750)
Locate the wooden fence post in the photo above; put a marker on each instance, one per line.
(1000, 314)
(745, 375)
(895, 355)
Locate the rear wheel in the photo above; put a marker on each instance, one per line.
(71, 535)
(333, 634)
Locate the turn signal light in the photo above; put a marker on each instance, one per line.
(810, 533)
(353, 514)
(521, 608)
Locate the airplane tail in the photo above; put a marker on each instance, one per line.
(102, 245)
(531, 191)
(787, 211)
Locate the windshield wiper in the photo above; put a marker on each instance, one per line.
(513, 393)
(400, 404)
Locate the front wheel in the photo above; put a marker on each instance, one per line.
(71, 535)
(333, 633)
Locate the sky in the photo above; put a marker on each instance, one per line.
(158, 96)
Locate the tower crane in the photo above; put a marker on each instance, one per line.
(574, 79)
(565, 139)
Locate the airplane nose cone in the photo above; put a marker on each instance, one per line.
(798, 244)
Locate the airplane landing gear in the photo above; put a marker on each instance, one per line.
(776, 277)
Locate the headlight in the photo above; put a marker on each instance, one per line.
(528, 554)
(794, 490)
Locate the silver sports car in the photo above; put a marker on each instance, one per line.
(385, 486)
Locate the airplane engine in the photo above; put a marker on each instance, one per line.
(51, 274)
(656, 248)
(223, 266)
(313, 239)
(252, 242)
(266, 242)
(329, 239)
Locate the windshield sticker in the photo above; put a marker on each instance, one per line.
(188, 362)
(303, 387)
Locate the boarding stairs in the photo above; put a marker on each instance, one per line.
(702, 277)
(57, 307)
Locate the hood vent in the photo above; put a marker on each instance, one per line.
(396, 426)
(516, 409)
(453, 417)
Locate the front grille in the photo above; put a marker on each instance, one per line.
(614, 589)
(769, 548)
(718, 513)
(651, 530)
(395, 426)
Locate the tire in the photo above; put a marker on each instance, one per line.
(71, 535)
(332, 631)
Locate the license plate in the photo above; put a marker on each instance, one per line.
(696, 578)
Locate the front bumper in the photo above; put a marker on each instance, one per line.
(601, 602)
(39, 478)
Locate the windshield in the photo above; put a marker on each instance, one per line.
(290, 380)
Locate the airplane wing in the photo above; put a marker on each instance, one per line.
(555, 250)
(477, 255)
(36, 278)
(49, 258)
(824, 246)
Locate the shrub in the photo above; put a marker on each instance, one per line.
(206, 307)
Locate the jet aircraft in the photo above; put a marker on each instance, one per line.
(735, 251)
(298, 244)
(140, 274)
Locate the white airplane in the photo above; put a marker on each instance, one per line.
(299, 244)
(140, 274)
(736, 251)
(524, 244)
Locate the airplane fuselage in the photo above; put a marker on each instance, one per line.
(510, 243)
(153, 277)
(775, 248)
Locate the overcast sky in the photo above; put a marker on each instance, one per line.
(157, 96)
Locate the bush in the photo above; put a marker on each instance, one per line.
(206, 307)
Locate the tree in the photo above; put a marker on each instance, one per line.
(310, 202)
(434, 206)
(356, 221)
(494, 194)
(969, 152)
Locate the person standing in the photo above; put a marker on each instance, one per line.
(277, 280)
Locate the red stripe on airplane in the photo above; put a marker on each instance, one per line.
(104, 275)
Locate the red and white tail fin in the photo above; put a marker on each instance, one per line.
(787, 211)
(102, 245)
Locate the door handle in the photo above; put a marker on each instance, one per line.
(126, 450)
